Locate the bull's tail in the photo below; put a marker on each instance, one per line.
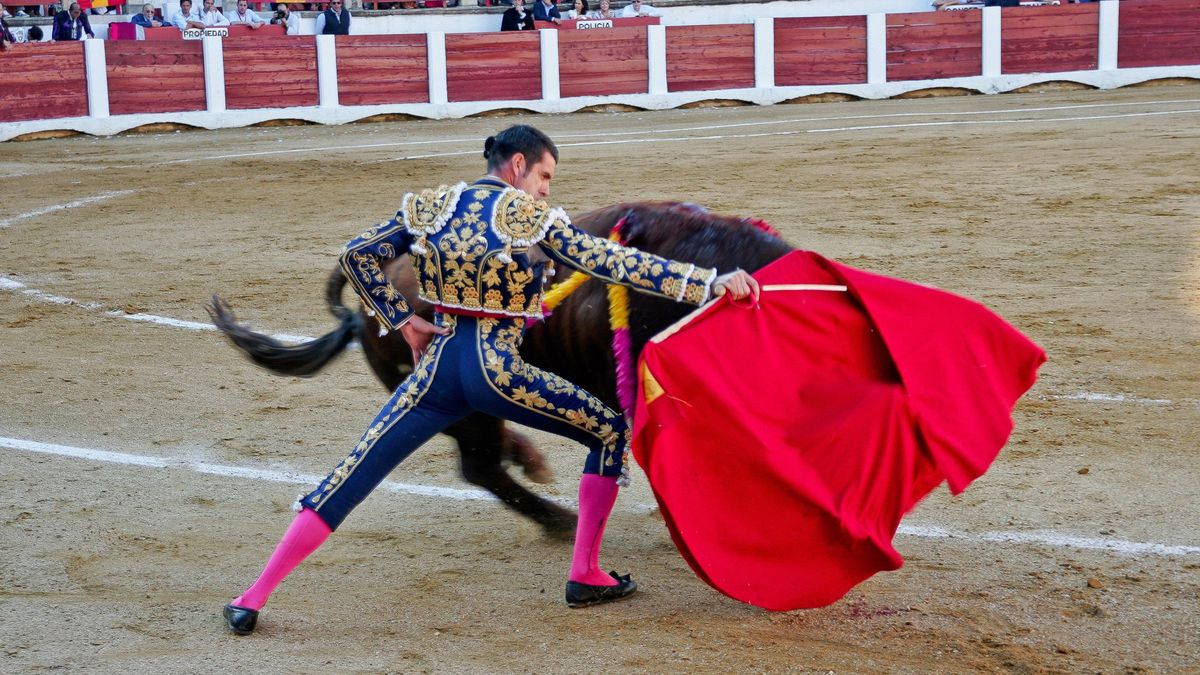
(302, 360)
(333, 295)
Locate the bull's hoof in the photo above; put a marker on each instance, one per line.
(538, 474)
(559, 525)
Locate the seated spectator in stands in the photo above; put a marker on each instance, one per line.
(244, 16)
(209, 16)
(6, 36)
(578, 11)
(71, 24)
(516, 18)
(284, 17)
(638, 8)
(334, 21)
(34, 34)
(546, 10)
(146, 18)
(605, 12)
(185, 16)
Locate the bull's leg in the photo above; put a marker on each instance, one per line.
(525, 454)
(480, 439)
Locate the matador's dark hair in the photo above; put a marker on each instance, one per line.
(520, 138)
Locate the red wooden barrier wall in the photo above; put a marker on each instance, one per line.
(271, 72)
(154, 77)
(43, 81)
(375, 69)
(929, 45)
(1158, 33)
(494, 66)
(603, 62)
(821, 50)
(701, 58)
(1049, 39)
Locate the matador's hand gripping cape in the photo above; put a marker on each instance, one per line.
(785, 443)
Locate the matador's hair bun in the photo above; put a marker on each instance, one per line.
(520, 138)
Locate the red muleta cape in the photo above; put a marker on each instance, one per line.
(784, 443)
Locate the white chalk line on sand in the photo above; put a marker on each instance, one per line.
(59, 207)
(1044, 537)
(798, 132)
(706, 127)
(9, 284)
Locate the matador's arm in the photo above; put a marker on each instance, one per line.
(362, 262)
(641, 271)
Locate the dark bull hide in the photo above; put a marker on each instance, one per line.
(575, 341)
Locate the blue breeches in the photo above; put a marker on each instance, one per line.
(476, 367)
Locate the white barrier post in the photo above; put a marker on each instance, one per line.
(95, 68)
(764, 53)
(550, 86)
(1106, 57)
(656, 55)
(435, 50)
(327, 83)
(876, 48)
(214, 73)
(991, 41)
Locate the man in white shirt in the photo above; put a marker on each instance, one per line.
(244, 16)
(209, 16)
(185, 15)
(638, 8)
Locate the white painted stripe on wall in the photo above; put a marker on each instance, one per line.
(1044, 537)
(96, 72)
(59, 207)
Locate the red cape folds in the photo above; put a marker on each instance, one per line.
(785, 443)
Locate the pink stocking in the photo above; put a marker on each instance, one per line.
(306, 533)
(597, 494)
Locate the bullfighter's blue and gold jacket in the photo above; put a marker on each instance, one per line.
(470, 246)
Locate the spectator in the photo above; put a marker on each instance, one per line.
(638, 8)
(605, 12)
(209, 16)
(71, 24)
(35, 34)
(6, 36)
(334, 21)
(146, 18)
(578, 11)
(285, 18)
(186, 16)
(546, 10)
(244, 16)
(516, 18)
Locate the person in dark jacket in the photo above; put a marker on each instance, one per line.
(6, 36)
(334, 21)
(517, 18)
(546, 10)
(71, 24)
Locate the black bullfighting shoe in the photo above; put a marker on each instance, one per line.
(241, 620)
(586, 595)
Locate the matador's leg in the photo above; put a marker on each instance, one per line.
(528, 395)
(414, 414)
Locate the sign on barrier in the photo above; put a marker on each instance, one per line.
(198, 33)
(598, 23)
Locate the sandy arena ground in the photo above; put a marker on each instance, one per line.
(1075, 214)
